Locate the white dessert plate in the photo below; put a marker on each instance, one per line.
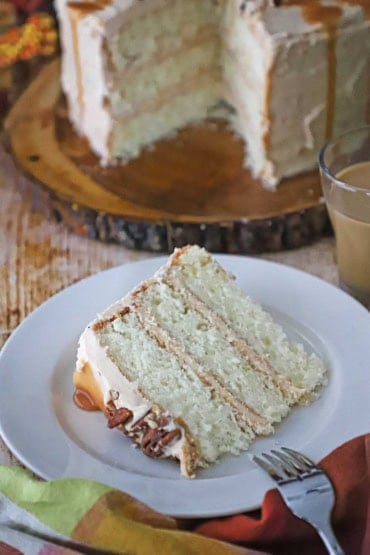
(50, 435)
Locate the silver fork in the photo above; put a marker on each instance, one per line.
(306, 490)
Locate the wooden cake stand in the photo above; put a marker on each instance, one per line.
(189, 189)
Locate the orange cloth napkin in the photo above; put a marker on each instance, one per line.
(277, 531)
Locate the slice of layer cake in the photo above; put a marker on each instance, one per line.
(293, 72)
(189, 367)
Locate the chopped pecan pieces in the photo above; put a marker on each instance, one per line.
(148, 431)
(118, 416)
(161, 439)
(148, 437)
(151, 449)
(170, 436)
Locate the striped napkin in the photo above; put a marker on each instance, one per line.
(73, 515)
(81, 516)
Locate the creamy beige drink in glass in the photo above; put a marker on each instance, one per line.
(345, 177)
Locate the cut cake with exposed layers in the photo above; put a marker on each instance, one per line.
(294, 72)
(190, 368)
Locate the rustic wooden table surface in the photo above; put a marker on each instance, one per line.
(39, 257)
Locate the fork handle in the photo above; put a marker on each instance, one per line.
(330, 541)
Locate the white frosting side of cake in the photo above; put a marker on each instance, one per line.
(108, 376)
(69, 69)
(294, 79)
(247, 82)
(96, 122)
(295, 55)
(112, 382)
(84, 65)
(300, 86)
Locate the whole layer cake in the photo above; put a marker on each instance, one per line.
(287, 74)
(189, 367)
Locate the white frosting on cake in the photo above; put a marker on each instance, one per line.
(124, 393)
(295, 56)
(108, 377)
(277, 77)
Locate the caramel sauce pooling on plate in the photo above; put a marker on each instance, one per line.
(84, 401)
(87, 395)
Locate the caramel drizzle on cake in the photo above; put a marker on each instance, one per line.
(314, 12)
(328, 16)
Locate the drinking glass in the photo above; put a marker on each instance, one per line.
(345, 179)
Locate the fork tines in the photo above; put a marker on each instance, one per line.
(286, 464)
(306, 490)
